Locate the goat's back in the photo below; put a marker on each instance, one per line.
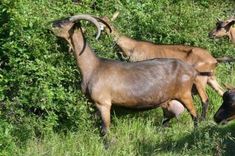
(200, 58)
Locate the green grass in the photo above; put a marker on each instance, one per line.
(140, 136)
(42, 110)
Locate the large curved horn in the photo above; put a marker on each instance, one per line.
(104, 22)
(88, 18)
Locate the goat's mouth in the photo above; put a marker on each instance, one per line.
(61, 27)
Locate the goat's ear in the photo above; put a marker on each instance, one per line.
(228, 23)
(231, 22)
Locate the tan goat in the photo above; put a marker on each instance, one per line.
(140, 85)
(199, 58)
(224, 28)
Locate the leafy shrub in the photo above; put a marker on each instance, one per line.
(39, 83)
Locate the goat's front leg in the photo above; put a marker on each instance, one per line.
(105, 115)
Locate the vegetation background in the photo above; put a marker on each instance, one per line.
(42, 110)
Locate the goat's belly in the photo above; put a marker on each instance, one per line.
(142, 97)
(138, 106)
(139, 103)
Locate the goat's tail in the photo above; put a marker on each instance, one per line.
(225, 59)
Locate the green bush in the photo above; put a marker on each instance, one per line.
(39, 81)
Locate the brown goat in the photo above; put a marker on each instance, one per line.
(224, 28)
(199, 58)
(143, 84)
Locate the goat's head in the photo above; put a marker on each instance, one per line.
(222, 28)
(65, 27)
(62, 28)
(226, 112)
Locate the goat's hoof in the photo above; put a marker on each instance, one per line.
(195, 124)
(166, 125)
(108, 142)
(202, 118)
(195, 121)
(104, 132)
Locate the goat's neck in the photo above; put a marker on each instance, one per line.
(115, 34)
(85, 57)
(232, 34)
(126, 44)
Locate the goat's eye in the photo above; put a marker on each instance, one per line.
(219, 25)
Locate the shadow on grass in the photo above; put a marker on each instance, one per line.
(131, 113)
(215, 139)
(123, 112)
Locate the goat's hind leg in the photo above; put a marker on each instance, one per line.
(187, 101)
(203, 96)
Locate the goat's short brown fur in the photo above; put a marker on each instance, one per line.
(143, 84)
(224, 28)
